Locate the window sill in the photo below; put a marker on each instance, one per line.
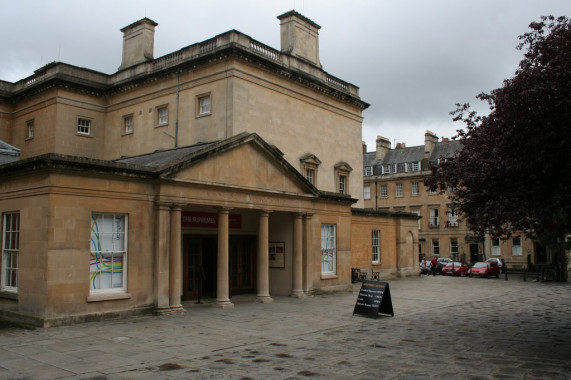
(203, 115)
(79, 134)
(162, 125)
(329, 276)
(9, 295)
(108, 297)
(376, 263)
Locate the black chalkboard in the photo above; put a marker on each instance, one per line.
(374, 299)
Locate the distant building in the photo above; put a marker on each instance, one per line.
(225, 167)
(394, 181)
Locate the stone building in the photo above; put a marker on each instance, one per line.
(225, 167)
(394, 181)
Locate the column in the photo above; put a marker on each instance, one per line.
(161, 278)
(297, 260)
(263, 270)
(222, 280)
(175, 276)
(307, 261)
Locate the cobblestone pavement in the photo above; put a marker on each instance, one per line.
(443, 328)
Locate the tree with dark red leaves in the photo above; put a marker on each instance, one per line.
(513, 171)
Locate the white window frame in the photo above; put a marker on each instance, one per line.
(393, 168)
(434, 217)
(454, 246)
(376, 246)
(128, 124)
(310, 175)
(386, 169)
(415, 188)
(452, 218)
(399, 192)
(328, 249)
(10, 251)
(368, 171)
(435, 246)
(30, 129)
(516, 246)
(162, 116)
(367, 192)
(417, 212)
(416, 166)
(496, 247)
(384, 191)
(83, 126)
(109, 242)
(204, 105)
(342, 184)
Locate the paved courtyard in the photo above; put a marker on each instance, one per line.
(443, 328)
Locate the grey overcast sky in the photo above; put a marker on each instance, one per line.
(412, 59)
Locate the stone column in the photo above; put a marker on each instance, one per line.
(307, 260)
(161, 273)
(175, 276)
(222, 280)
(297, 260)
(263, 267)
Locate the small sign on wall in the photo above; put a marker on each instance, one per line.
(277, 254)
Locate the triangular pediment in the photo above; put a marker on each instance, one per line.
(247, 162)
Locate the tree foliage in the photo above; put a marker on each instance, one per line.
(513, 172)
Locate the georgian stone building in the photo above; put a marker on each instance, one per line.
(225, 167)
(394, 181)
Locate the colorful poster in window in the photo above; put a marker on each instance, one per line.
(108, 250)
(277, 255)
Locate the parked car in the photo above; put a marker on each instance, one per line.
(499, 262)
(484, 269)
(442, 261)
(454, 268)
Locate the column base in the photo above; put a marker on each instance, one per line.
(162, 310)
(264, 299)
(226, 304)
(177, 309)
(298, 294)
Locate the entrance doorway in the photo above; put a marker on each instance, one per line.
(200, 258)
(474, 253)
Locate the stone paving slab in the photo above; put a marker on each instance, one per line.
(443, 328)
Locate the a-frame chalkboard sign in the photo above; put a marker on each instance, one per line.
(374, 299)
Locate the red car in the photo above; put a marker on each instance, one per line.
(454, 268)
(484, 269)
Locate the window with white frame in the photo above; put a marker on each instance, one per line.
(10, 251)
(434, 218)
(386, 169)
(454, 248)
(417, 212)
(516, 246)
(309, 166)
(496, 248)
(399, 190)
(376, 246)
(162, 115)
(368, 171)
(310, 175)
(128, 124)
(342, 184)
(83, 126)
(384, 191)
(30, 129)
(367, 192)
(452, 218)
(393, 168)
(435, 245)
(108, 259)
(328, 249)
(415, 188)
(204, 105)
(416, 166)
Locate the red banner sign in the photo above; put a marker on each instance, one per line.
(192, 219)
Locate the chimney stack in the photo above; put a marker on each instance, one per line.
(430, 139)
(138, 42)
(383, 146)
(299, 37)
